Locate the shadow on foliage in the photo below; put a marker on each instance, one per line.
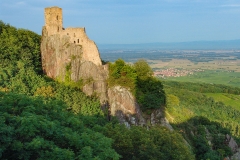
(150, 94)
(208, 138)
(39, 128)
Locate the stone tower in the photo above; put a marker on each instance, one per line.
(53, 20)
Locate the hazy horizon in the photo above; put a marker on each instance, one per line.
(195, 45)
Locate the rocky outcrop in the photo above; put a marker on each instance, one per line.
(58, 54)
(231, 143)
(123, 105)
(165, 123)
(234, 147)
(94, 79)
(64, 61)
(236, 156)
(68, 55)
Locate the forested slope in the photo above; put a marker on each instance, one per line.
(43, 119)
(202, 121)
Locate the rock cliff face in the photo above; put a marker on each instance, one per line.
(234, 147)
(231, 143)
(58, 55)
(94, 77)
(64, 61)
(68, 55)
(123, 105)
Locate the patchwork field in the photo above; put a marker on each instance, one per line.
(201, 66)
(228, 65)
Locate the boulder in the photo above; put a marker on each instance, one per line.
(231, 143)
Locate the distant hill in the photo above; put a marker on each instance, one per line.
(224, 44)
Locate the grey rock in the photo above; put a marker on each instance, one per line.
(231, 143)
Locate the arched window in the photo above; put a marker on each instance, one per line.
(58, 29)
(78, 40)
(57, 17)
(74, 42)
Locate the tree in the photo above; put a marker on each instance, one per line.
(143, 70)
(38, 128)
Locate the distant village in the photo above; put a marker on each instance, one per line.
(173, 72)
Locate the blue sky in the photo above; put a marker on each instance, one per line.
(134, 21)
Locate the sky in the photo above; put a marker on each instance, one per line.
(133, 21)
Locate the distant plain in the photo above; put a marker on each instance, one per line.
(219, 66)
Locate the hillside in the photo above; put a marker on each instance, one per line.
(203, 121)
(44, 119)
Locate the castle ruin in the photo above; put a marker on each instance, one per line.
(69, 56)
(53, 29)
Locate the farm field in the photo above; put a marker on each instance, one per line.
(200, 66)
(212, 77)
(228, 65)
(228, 99)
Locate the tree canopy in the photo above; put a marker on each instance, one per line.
(138, 78)
(43, 119)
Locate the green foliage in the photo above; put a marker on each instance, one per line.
(197, 104)
(67, 77)
(221, 77)
(228, 99)
(122, 74)
(36, 85)
(42, 119)
(202, 120)
(172, 101)
(77, 101)
(139, 79)
(47, 91)
(143, 70)
(19, 45)
(203, 87)
(206, 131)
(150, 93)
(140, 143)
(36, 128)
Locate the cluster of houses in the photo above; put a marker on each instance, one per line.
(173, 72)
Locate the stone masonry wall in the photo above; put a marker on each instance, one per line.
(53, 20)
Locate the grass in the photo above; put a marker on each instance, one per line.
(228, 99)
(212, 77)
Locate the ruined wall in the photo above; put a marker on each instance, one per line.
(68, 53)
(54, 26)
(53, 20)
(90, 50)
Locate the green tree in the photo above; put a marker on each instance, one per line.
(143, 70)
(37, 128)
